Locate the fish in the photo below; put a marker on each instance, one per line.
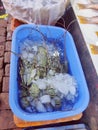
(88, 6)
(94, 49)
(88, 20)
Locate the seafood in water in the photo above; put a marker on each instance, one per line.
(43, 80)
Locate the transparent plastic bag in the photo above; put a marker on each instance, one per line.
(36, 11)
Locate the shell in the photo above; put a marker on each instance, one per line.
(33, 73)
(51, 91)
(41, 72)
(42, 56)
(34, 90)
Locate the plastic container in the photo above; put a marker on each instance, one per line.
(75, 69)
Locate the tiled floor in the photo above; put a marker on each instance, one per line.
(90, 116)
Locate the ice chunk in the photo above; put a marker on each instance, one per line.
(64, 83)
(60, 86)
(24, 55)
(29, 109)
(72, 90)
(40, 107)
(45, 99)
(51, 72)
(31, 55)
(35, 48)
(53, 102)
(41, 83)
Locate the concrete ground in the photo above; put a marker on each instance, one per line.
(90, 115)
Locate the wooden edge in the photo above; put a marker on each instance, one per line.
(22, 123)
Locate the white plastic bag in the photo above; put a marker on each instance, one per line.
(36, 11)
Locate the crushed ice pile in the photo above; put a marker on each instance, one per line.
(43, 86)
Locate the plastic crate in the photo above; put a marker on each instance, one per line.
(75, 69)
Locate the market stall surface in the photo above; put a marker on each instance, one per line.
(90, 115)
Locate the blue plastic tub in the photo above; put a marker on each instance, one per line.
(75, 69)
